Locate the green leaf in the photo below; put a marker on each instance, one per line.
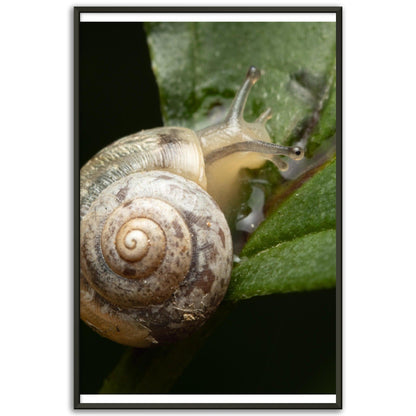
(309, 209)
(199, 66)
(305, 263)
(294, 249)
(326, 110)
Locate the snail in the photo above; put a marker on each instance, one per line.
(155, 247)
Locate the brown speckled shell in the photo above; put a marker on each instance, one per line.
(184, 302)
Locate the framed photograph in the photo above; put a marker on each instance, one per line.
(208, 207)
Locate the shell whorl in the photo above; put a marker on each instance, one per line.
(146, 249)
(174, 149)
(156, 252)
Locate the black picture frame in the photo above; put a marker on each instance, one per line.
(80, 159)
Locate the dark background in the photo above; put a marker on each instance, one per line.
(273, 344)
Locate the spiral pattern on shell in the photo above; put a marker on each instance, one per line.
(156, 258)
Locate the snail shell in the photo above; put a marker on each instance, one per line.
(160, 262)
(156, 250)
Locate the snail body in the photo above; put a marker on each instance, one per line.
(156, 250)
